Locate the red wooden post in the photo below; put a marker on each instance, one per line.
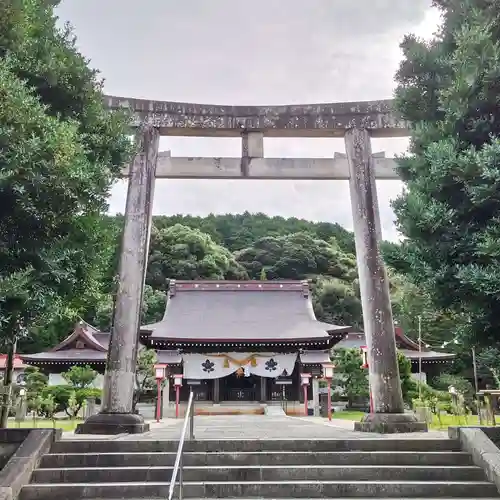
(158, 400)
(329, 399)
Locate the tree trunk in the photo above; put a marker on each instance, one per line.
(7, 385)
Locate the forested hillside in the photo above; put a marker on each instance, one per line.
(247, 246)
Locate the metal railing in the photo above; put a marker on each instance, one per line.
(178, 465)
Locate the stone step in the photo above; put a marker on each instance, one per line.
(257, 458)
(285, 489)
(237, 445)
(273, 473)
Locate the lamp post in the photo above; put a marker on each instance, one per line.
(177, 385)
(304, 379)
(364, 365)
(159, 376)
(328, 374)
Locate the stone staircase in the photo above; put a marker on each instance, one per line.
(351, 468)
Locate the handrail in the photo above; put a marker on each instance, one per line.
(189, 417)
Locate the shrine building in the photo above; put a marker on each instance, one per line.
(234, 341)
(433, 362)
(238, 338)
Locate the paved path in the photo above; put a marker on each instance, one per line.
(256, 427)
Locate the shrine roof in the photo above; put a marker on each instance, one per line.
(84, 344)
(69, 355)
(18, 362)
(250, 311)
(404, 344)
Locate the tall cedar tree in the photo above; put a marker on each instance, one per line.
(449, 89)
(60, 151)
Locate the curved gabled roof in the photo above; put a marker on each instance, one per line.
(85, 343)
(252, 311)
(82, 332)
(404, 344)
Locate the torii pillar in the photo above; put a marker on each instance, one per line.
(385, 384)
(116, 415)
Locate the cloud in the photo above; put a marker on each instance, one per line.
(259, 52)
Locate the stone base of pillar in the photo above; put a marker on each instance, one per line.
(113, 423)
(390, 423)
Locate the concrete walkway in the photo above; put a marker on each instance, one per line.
(256, 427)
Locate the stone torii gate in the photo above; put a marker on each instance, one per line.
(356, 122)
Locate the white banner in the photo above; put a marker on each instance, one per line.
(211, 366)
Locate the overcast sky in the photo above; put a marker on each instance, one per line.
(252, 52)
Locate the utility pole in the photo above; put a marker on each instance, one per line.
(476, 382)
(420, 358)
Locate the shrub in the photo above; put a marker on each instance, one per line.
(63, 393)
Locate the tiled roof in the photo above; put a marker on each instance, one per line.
(169, 357)
(68, 354)
(85, 343)
(18, 362)
(314, 357)
(240, 310)
(357, 340)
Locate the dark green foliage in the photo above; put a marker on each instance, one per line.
(60, 151)
(488, 361)
(353, 379)
(349, 375)
(408, 384)
(446, 380)
(297, 256)
(183, 253)
(450, 90)
(80, 377)
(239, 231)
(337, 302)
(62, 395)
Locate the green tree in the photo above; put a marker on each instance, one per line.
(239, 231)
(80, 377)
(488, 360)
(35, 382)
(353, 379)
(350, 376)
(49, 408)
(297, 256)
(144, 374)
(336, 301)
(412, 304)
(153, 308)
(179, 252)
(60, 151)
(408, 385)
(449, 89)
(73, 405)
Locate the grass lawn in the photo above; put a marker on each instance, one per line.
(355, 416)
(65, 425)
(446, 420)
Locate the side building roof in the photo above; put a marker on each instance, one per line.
(405, 345)
(85, 344)
(269, 313)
